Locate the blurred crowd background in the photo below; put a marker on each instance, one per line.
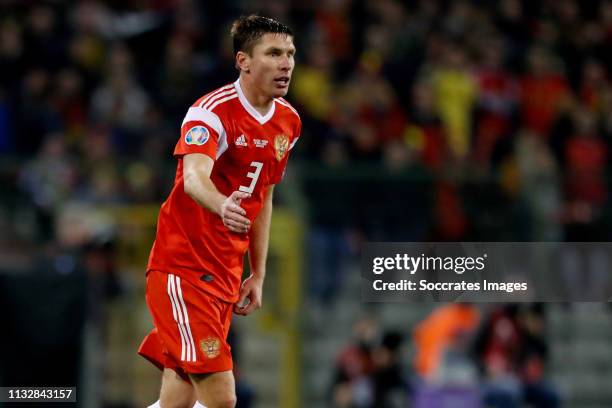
(422, 120)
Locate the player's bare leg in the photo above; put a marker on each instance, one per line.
(216, 390)
(175, 392)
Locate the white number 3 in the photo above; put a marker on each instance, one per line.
(253, 175)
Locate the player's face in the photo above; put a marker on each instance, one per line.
(272, 62)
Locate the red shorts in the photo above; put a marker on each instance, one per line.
(191, 327)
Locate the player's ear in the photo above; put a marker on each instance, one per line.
(243, 61)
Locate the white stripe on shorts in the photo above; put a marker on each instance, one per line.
(174, 313)
(179, 310)
(187, 327)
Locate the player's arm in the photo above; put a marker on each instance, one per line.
(197, 169)
(260, 236)
(258, 253)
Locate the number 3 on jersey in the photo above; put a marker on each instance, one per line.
(254, 176)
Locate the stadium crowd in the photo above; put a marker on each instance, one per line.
(489, 107)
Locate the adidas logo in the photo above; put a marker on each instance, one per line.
(241, 141)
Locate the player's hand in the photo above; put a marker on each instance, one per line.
(234, 216)
(250, 296)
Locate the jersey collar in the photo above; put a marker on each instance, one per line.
(250, 109)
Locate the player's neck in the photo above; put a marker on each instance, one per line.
(258, 100)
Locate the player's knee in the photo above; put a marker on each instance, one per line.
(224, 401)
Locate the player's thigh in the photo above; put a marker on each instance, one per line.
(215, 390)
(175, 392)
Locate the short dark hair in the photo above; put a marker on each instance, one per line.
(247, 30)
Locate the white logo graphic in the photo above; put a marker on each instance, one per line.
(261, 143)
(241, 141)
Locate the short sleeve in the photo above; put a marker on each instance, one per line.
(298, 133)
(200, 133)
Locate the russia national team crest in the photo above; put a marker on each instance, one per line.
(281, 145)
(197, 135)
(211, 347)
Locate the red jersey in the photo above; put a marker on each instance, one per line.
(250, 152)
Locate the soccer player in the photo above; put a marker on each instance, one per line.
(233, 149)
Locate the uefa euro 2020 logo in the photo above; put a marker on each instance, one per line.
(197, 135)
